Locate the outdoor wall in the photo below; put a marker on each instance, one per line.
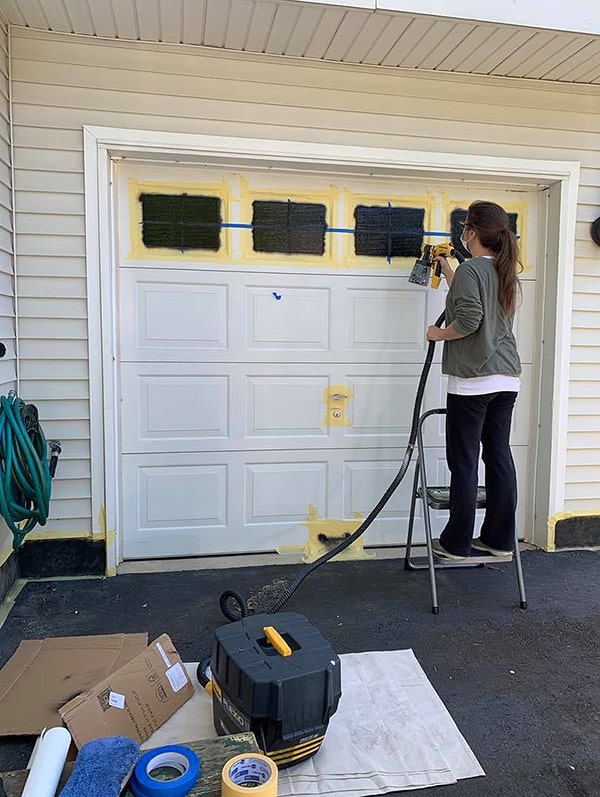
(7, 301)
(63, 82)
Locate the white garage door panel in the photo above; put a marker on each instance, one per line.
(365, 482)
(171, 316)
(165, 406)
(294, 318)
(177, 504)
(380, 405)
(282, 492)
(171, 407)
(185, 316)
(385, 319)
(286, 406)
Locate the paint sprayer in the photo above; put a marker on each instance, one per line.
(427, 265)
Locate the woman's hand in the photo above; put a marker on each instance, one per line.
(445, 333)
(446, 269)
(434, 334)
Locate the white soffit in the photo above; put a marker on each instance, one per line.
(578, 16)
(360, 32)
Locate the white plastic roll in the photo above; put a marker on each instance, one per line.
(47, 764)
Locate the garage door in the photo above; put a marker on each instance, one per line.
(270, 345)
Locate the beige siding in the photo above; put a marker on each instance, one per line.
(63, 82)
(7, 301)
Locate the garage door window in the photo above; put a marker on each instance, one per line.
(386, 231)
(182, 222)
(289, 227)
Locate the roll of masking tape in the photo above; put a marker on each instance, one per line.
(249, 771)
(169, 771)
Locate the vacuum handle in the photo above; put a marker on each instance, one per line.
(274, 638)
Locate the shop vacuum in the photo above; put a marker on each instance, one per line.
(281, 682)
(277, 677)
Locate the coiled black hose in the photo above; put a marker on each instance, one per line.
(231, 598)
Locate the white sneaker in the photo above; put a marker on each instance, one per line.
(439, 550)
(481, 546)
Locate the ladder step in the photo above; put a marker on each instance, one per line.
(439, 497)
(476, 558)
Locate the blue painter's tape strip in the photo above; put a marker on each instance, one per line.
(233, 225)
(177, 758)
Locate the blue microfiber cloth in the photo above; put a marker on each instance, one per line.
(102, 768)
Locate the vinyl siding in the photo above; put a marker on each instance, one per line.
(63, 82)
(7, 295)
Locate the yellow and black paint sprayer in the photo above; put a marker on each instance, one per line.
(428, 266)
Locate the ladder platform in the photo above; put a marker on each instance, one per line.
(440, 563)
(476, 558)
(439, 497)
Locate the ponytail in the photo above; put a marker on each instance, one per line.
(490, 222)
(506, 263)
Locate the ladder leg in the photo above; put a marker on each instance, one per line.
(430, 561)
(411, 519)
(520, 579)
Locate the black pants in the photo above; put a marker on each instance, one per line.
(471, 421)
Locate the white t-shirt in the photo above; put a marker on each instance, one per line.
(482, 385)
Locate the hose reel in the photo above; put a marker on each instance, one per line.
(25, 472)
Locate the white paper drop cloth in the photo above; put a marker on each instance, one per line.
(391, 732)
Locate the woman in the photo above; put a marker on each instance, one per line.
(483, 366)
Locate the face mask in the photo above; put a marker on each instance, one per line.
(465, 244)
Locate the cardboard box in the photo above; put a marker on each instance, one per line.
(135, 700)
(44, 674)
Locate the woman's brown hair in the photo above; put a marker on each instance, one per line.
(490, 222)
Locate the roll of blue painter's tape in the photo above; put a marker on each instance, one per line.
(169, 771)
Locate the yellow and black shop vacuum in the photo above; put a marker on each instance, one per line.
(278, 678)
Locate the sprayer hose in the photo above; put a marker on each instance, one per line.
(232, 598)
(24, 472)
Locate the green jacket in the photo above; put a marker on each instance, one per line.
(489, 346)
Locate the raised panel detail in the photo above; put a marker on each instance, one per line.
(366, 481)
(172, 315)
(381, 405)
(182, 496)
(386, 319)
(183, 407)
(291, 318)
(285, 406)
(283, 492)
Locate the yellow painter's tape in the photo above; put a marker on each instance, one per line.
(335, 531)
(553, 520)
(336, 400)
(249, 770)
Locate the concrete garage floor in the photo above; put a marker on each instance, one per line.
(523, 687)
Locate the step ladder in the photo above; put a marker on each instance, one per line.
(439, 498)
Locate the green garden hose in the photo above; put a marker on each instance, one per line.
(25, 473)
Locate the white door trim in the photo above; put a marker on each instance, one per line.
(103, 143)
